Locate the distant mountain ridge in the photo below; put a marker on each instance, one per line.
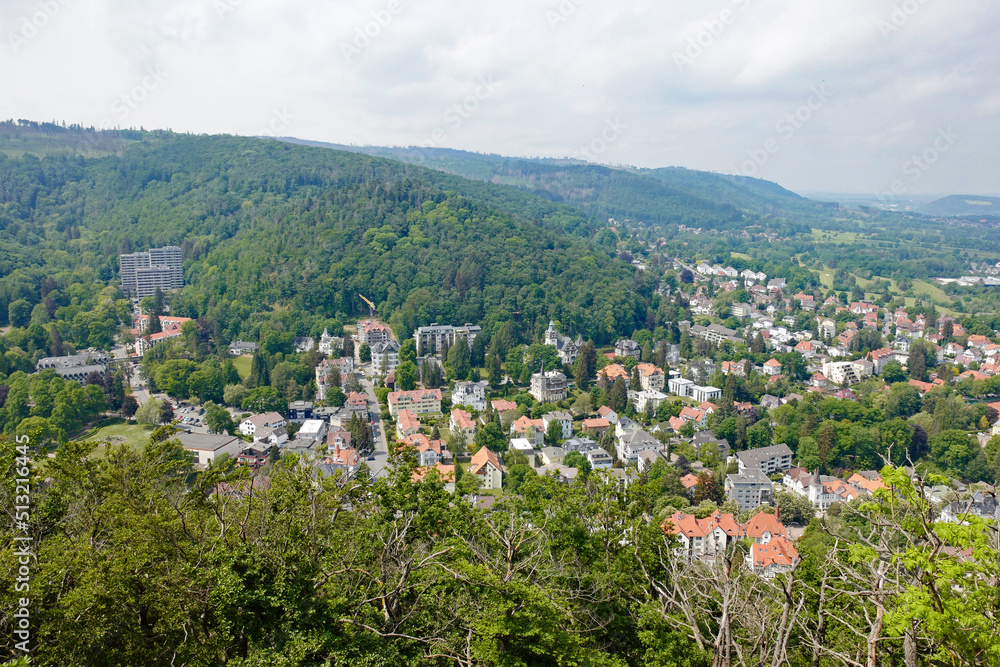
(656, 196)
(962, 205)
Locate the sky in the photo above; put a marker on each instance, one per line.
(875, 97)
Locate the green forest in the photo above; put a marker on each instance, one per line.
(143, 562)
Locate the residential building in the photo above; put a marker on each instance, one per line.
(749, 489)
(142, 273)
(463, 424)
(418, 401)
(312, 429)
(980, 505)
(76, 366)
(357, 404)
(680, 386)
(407, 423)
(432, 338)
(628, 348)
(343, 461)
(254, 456)
(303, 344)
(772, 558)
(599, 459)
(841, 372)
(373, 331)
(651, 377)
(580, 444)
(487, 467)
(613, 372)
(702, 394)
(338, 437)
(868, 481)
(325, 374)
(646, 400)
(707, 442)
(565, 420)
(532, 430)
(445, 473)
(597, 425)
(648, 458)
(769, 460)
(330, 345)
(548, 387)
(689, 414)
(503, 406)
(567, 348)
(741, 310)
(240, 347)
(823, 491)
(631, 443)
(702, 537)
(472, 394)
(170, 328)
(271, 436)
(552, 455)
(385, 356)
(250, 425)
(429, 452)
(300, 411)
(206, 447)
(716, 333)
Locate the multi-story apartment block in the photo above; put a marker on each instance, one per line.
(771, 459)
(472, 394)
(372, 331)
(750, 489)
(419, 401)
(431, 339)
(385, 357)
(142, 273)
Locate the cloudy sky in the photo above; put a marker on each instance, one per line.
(845, 96)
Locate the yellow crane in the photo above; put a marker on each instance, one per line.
(371, 305)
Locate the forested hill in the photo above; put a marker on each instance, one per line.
(655, 196)
(273, 231)
(596, 190)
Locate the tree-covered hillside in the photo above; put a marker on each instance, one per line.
(270, 228)
(595, 190)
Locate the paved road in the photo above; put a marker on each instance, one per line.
(381, 447)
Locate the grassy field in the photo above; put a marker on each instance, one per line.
(930, 289)
(134, 436)
(242, 364)
(837, 236)
(741, 255)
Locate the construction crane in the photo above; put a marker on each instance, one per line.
(371, 305)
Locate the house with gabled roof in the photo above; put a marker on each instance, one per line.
(272, 420)
(445, 473)
(463, 424)
(770, 559)
(487, 467)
